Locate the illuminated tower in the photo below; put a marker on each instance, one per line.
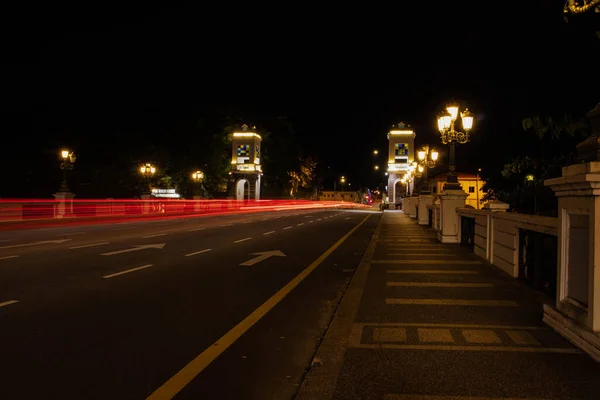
(245, 164)
(401, 155)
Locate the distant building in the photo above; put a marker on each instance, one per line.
(351, 197)
(471, 183)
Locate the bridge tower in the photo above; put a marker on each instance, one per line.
(246, 169)
(401, 154)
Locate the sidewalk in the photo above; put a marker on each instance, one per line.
(423, 320)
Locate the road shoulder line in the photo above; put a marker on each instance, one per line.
(190, 371)
(320, 381)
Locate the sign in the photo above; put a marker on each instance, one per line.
(165, 193)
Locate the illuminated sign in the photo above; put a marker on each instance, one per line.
(398, 167)
(248, 167)
(165, 193)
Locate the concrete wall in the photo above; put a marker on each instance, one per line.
(497, 235)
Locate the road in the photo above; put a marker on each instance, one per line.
(221, 307)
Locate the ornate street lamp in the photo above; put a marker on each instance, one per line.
(581, 6)
(451, 137)
(198, 176)
(147, 171)
(67, 164)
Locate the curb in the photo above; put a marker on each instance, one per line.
(320, 381)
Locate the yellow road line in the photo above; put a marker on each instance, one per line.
(182, 378)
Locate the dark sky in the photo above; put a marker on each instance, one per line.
(343, 74)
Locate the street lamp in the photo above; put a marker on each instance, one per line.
(427, 158)
(451, 136)
(147, 171)
(67, 164)
(198, 176)
(376, 168)
(581, 6)
(375, 152)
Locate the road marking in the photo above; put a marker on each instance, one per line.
(302, 223)
(425, 262)
(7, 240)
(151, 236)
(348, 218)
(439, 284)
(246, 222)
(288, 227)
(242, 240)
(196, 229)
(198, 252)
(264, 219)
(126, 271)
(7, 257)
(319, 219)
(480, 336)
(389, 334)
(268, 233)
(8, 303)
(423, 254)
(310, 222)
(452, 302)
(263, 256)
(89, 245)
(182, 378)
(124, 229)
(521, 337)
(380, 346)
(71, 234)
(36, 243)
(432, 397)
(136, 248)
(360, 325)
(430, 271)
(226, 225)
(435, 335)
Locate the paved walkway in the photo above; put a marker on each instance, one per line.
(423, 320)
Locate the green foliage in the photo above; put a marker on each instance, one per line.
(550, 146)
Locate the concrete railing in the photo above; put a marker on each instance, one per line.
(496, 236)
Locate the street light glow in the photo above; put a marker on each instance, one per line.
(453, 110)
(148, 169)
(198, 175)
(64, 154)
(467, 119)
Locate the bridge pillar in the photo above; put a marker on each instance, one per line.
(576, 313)
(450, 200)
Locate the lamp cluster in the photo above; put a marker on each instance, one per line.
(446, 125)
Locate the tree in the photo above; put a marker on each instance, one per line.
(304, 177)
(550, 145)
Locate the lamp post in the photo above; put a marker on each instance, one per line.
(198, 176)
(427, 158)
(147, 171)
(450, 136)
(477, 186)
(342, 182)
(67, 164)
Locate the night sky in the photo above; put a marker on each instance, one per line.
(94, 79)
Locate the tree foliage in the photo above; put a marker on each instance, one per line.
(304, 177)
(549, 145)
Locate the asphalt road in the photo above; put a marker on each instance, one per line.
(199, 310)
